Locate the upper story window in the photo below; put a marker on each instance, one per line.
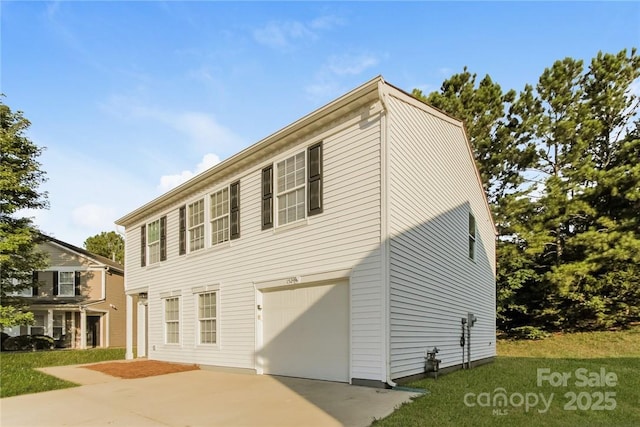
(153, 241)
(298, 188)
(196, 225)
(219, 216)
(472, 236)
(153, 245)
(66, 283)
(291, 189)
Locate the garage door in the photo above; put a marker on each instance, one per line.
(306, 332)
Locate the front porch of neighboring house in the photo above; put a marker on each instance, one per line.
(70, 327)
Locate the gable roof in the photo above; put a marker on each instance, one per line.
(85, 253)
(370, 91)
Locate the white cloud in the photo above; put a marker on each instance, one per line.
(281, 35)
(202, 129)
(167, 182)
(351, 64)
(284, 35)
(327, 81)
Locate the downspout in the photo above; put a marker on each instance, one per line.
(385, 231)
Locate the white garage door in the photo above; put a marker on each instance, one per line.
(306, 332)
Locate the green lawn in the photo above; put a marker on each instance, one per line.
(598, 400)
(18, 376)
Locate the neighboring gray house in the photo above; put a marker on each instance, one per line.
(342, 247)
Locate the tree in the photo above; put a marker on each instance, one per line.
(499, 157)
(108, 244)
(20, 177)
(568, 248)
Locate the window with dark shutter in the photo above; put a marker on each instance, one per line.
(163, 238)
(235, 210)
(182, 228)
(314, 191)
(143, 246)
(76, 282)
(55, 283)
(34, 284)
(267, 197)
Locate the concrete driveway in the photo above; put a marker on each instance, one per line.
(198, 398)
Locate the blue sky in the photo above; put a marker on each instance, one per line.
(132, 98)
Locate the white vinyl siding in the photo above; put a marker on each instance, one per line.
(195, 214)
(433, 188)
(290, 189)
(172, 320)
(345, 236)
(66, 283)
(219, 214)
(153, 241)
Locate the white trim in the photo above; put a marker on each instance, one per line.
(171, 294)
(214, 287)
(136, 291)
(129, 327)
(385, 235)
(104, 284)
(297, 281)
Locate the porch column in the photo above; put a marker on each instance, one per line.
(129, 309)
(49, 324)
(142, 347)
(83, 328)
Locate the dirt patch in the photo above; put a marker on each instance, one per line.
(140, 368)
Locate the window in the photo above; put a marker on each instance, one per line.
(207, 317)
(290, 186)
(58, 325)
(38, 327)
(153, 241)
(472, 236)
(220, 216)
(298, 188)
(66, 284)
(172, 320)
(196, 225)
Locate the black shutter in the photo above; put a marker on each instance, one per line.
(55, 283)
(314, 193)
(76, 283)
(234, 211)
(267, 197)
(143, 246)
(34, 284)
(163, 238)
(183, 230)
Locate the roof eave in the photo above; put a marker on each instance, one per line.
(167, 198)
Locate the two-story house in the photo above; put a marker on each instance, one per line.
(342, 247)
(78, 300)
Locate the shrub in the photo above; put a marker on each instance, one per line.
(528, 333)
(28, 342)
